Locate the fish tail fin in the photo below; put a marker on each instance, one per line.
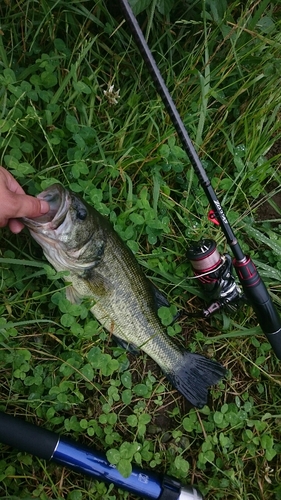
(194, 375)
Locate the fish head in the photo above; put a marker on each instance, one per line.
(70, 233)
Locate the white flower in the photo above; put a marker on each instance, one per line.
(111, 95)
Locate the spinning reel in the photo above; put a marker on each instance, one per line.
(215, 275)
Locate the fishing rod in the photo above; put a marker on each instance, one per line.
(48, 445)
(204, 257)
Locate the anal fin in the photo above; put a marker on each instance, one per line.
(131, 348)
(161, 301)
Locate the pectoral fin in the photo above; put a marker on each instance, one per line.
(98, 284)
(72, 295)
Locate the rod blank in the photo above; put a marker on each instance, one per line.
(251, 282)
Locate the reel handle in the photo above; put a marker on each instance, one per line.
(259, 298)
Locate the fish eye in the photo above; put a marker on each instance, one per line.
(81, 213)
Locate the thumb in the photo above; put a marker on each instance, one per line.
(29, 206)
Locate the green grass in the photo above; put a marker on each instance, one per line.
(58, 368)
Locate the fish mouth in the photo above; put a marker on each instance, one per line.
(59, 202)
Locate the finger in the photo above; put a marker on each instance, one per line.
(15, 225)
(28, 206)
(3, 221)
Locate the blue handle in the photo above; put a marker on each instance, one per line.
(89, 462)
(49, 446)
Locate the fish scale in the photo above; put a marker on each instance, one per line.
(77, 238)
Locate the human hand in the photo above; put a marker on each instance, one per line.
(15, 203)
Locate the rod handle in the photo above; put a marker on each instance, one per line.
(27, 437)
(259, 298)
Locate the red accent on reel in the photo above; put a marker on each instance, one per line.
(212, 217)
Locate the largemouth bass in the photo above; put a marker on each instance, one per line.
(76, 238)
